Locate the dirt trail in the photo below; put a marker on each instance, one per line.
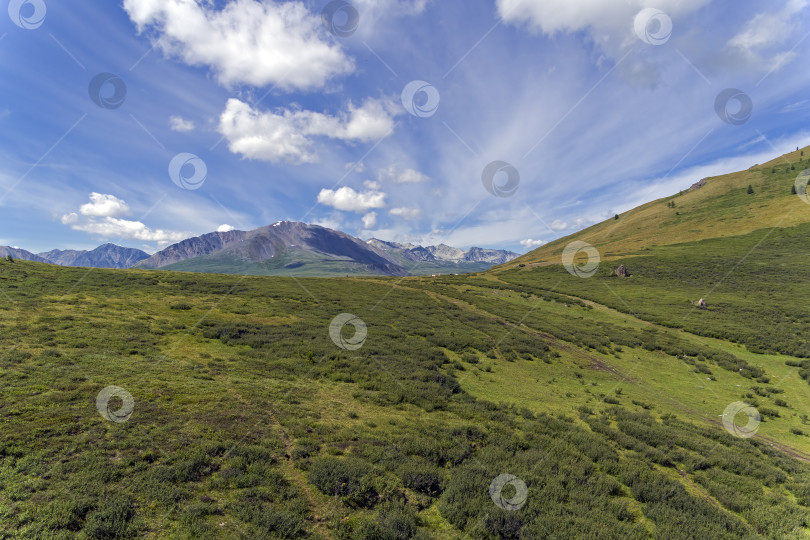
(699, 488)
(595, 362)
(599, 364)
(318, 517)
(319, 520)
(793, 452)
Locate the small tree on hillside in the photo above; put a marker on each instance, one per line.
(750, 189)
(9, 258)
(616, 216)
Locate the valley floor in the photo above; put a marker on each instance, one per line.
(235, 413)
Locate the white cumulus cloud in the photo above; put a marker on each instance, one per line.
(101, 216)
(102, 205)
(70, 219)
(372, 185)
(370, 220)
(247, 41)
(135, 230)
(178, 123)
(225, 228)
(529, 243)
(287, 135)
(349, 200)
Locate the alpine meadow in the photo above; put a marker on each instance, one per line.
(512, 269)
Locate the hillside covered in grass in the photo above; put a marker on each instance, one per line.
(716, 207)
(246, 420)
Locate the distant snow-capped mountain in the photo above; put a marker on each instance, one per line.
(283, 248)
(294, 248)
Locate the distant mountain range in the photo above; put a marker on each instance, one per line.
(418, 260)
(283, 248)
(106, 256)
(301, 249)
(21, 254)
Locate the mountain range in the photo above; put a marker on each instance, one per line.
(105, 256)
(283, 248)
(294, 248)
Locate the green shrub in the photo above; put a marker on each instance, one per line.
(305, 448)
(422, 476)
(470, 358)
(111, 519)
(349, 478)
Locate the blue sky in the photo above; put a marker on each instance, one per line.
(597, 105)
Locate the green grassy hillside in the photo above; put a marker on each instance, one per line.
(247, 420)
(755, 286)
(721, 208)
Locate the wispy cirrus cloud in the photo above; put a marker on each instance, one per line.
(406, 213)
(761, 41)
(401, 175)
